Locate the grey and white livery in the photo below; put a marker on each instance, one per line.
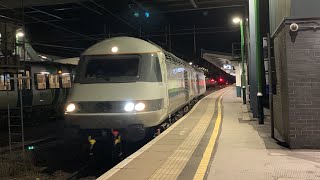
(125, 82)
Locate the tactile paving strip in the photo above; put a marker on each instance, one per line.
(173, 166)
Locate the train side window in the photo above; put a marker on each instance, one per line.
(28, 81)
(5, 83)
(24, 83)
(66, 81)
(20, 81)
(41, 81)
(54, 81)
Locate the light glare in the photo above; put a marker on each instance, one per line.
(71, 107)
(20, 34)
(114, 49)
(129, 107)
(140, 107)
(236, 20)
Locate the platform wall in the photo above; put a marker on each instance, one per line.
(297, 102)
(280, 97)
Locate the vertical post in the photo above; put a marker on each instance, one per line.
(21, 114)
(252, 63)
(105, 30)
(166, 34)
(9, 127)
(243, 77)
(194, 41)
(169, 36)
(259, 63)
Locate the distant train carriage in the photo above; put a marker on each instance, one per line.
(211, 82)
(45, 91)
(127, 83)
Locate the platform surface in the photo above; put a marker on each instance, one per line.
(217, 139)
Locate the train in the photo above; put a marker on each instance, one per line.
(130, 85)
(44, 91)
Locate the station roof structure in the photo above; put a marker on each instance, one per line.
(224, 61)
(68, 27)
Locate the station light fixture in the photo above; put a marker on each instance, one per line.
(190, 63)
(136, 14)
(236, 20)
(44, 57)
(147, 14)
(20, 34)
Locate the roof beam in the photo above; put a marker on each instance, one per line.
(194, 4)
(49, 14)
(89, 8)
(206, 8)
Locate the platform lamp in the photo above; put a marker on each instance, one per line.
(238, 20)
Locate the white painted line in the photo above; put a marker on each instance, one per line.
(126, 161)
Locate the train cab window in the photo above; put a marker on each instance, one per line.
(5, 83)
(66, 80)
(41, 81)
(54, 81)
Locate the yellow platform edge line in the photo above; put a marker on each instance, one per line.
(202, 168)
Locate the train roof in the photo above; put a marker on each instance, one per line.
(46, 63)
(125, 45)
(72, 61)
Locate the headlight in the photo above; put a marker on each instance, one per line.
(71, 107)
(129, 107)
(139, 107)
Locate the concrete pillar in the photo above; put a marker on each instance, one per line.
(253, 84)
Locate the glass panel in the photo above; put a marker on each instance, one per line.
(110, 69)
(20, 83)
(54, 81)
(66, 81)
(28, 81)
(5, 83)
(106, 68)
(41, 79)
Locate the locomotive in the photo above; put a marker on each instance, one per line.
(131, 85)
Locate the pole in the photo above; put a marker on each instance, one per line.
(194, 41)
(21, 114)
(9, 125)
(169, 36)
(243, 77)
(259, 64)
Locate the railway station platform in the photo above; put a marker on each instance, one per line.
(217, 140)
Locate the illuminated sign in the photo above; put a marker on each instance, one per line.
(227, 66)
(177, 70)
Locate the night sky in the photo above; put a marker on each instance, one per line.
(215, 29)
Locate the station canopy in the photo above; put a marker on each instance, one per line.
(75, 25)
